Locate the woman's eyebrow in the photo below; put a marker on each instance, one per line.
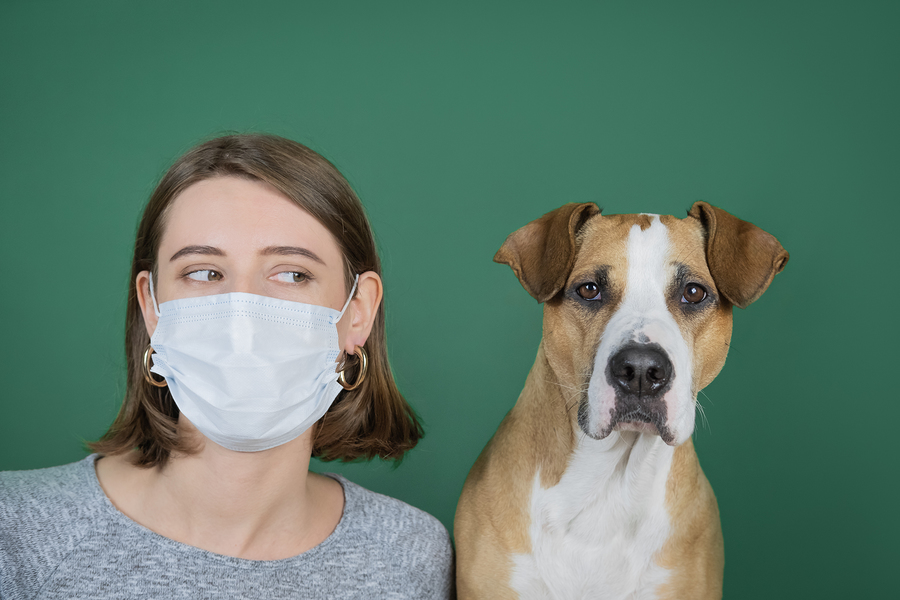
(291, 251)
(207, 250)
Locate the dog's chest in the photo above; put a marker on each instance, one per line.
(596, 533)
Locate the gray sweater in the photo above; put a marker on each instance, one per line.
(61, 537)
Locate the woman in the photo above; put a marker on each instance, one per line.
(255, 340)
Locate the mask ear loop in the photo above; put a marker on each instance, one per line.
(347, 303)
(153, 297)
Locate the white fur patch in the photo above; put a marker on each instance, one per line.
(644, 317)
(596, 533)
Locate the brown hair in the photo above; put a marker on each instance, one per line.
(372, 420)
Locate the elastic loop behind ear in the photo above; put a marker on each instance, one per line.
(349, 298)
(153, 297)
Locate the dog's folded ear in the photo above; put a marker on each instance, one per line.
(543, 252)
(742, 258)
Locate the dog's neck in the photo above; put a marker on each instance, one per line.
(602, 524)
(631, 463)
(625, 466)
(625, 472)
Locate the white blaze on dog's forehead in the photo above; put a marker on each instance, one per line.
(644, 317)
(646, 289)
(647, 279)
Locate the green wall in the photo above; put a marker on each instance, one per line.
(457, 124)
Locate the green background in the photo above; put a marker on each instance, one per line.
(457, 124)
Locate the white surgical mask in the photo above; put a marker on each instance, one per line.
(250, 372)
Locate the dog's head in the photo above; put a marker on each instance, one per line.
(637, 313)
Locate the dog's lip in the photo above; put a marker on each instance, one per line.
(650, 428)
(638, 426)
(637, 419)
(635, 416)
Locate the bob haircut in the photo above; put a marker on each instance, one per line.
(372, 420)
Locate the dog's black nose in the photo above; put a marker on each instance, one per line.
(640, 369)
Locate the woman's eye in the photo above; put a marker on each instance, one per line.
(291, 277)
(693, 293)
(589, 291)
(205, 275)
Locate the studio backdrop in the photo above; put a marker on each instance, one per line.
(458, 123)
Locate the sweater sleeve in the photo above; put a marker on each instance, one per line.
(435, 569)
(413, 545)
(44, 514)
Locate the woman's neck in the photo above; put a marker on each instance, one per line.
(255, 505)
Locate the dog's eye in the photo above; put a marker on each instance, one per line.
(589, 291)
(693, 293)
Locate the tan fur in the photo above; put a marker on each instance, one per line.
(695, 552)
(571, 337)
(742, 257)
(709, 338)
(562, 248)
(493, 508)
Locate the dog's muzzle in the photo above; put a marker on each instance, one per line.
(640, 375)
(641, 371)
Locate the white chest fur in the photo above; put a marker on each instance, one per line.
(596, 533)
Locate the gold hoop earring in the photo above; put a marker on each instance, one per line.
(363, 369)
(148, 377)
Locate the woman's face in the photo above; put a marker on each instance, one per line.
(229, 234)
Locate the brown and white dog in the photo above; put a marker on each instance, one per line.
(591, 487)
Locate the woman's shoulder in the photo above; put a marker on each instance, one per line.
(46, 493)
(372, 514)
(410, 539)
(43, 515)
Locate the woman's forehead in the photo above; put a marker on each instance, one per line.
(242, 215)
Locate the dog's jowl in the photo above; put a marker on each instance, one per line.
(591, 487)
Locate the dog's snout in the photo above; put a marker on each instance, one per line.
(640, 369)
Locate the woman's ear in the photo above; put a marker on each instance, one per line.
(363, 309)
(142, 289)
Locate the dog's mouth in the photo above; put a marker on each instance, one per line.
(641, 420)
(628, 416)
(635, 416)
(637, 420)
